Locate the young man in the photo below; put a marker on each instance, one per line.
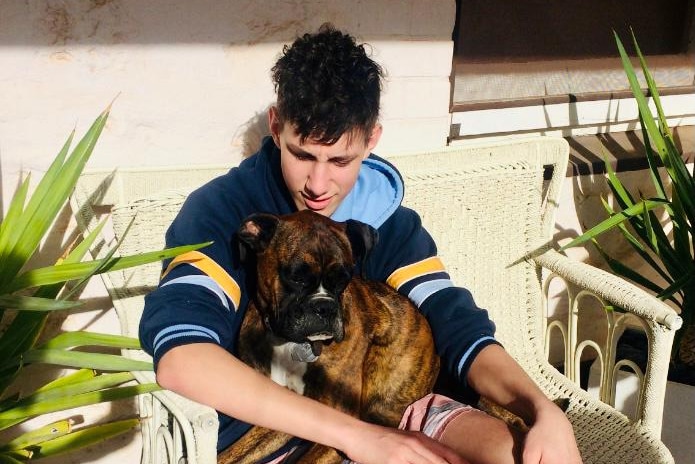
(324, 127)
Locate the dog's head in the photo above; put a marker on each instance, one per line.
(304, 262)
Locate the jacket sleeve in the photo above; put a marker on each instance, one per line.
(199, 295)
(405, 257)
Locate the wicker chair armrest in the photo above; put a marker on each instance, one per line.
(612, 288)
(173, 427)
(659, 321)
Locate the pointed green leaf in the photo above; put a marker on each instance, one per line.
(653, 236)
(660, 136)
(72, 271)
(79, 359)
(664, 144)
(637, 246)
(682, 183)
(649, 230)
(41, 434)
(14, 212)
(681, 231)
(17, 230)
(100, 382)
(652, 160)
(83, 381)
(45, 184)
(7, 377)
(84, 399)
(625, 271)
(613, 221)
(82, 248)
(642, 104)
(56, 186)
(81, 338)
(21, 335)
(30, 303)
(100, 264)
(81, 375)
(623, 197)
(84, 437)
(651, 84)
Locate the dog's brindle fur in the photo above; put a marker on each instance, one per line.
(375, 350)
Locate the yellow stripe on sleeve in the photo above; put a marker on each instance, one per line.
(406, 273)
(211, 269)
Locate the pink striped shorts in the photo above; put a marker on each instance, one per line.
(430, 415)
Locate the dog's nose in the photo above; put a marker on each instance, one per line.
(322, 306)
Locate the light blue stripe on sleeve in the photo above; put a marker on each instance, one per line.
(183, 330)
(468, 352)
(203, 281)
(424, 290)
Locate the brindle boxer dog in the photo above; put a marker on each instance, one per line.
(319, 329)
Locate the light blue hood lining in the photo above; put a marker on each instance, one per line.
(377, 193)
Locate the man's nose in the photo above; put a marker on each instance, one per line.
(318, 180)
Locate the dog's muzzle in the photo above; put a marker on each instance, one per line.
(325, 312)
(311, 323)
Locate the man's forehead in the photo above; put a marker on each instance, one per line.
(353, 140)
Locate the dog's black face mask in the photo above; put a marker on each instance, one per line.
(309, 303)
(303, 262)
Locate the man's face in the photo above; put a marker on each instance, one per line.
(317, 175)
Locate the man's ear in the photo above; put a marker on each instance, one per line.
(274, 124)
(362, 238)
(374, 137)
(255, 233)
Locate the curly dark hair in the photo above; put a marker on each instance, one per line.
(327, 86)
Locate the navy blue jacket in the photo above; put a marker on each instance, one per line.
(202, 298)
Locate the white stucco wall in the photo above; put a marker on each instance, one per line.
(190, 82)
(189, 78)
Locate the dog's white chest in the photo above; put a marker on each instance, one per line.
(286, 371)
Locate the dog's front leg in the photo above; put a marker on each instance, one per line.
(319, 454)
(255, 445)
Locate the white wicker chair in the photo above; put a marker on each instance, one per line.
(492, 216)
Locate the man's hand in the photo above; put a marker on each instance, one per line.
(381, 445)
(550, 440)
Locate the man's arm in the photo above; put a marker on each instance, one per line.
(497, 376)
(208, 374)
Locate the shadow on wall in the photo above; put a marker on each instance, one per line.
(251, 133)
(70, 57)
(625, 152)
(236, 22)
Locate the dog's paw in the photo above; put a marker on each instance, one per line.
(511, 419)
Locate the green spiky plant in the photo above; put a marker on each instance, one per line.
(670, 254)
(27, 298)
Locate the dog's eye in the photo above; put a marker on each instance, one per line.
(297, 275)
(298, 279)
(337, 278)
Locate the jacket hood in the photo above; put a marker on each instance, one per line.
(377, 193)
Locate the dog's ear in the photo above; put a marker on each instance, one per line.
(362, 238)
(255, 233)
